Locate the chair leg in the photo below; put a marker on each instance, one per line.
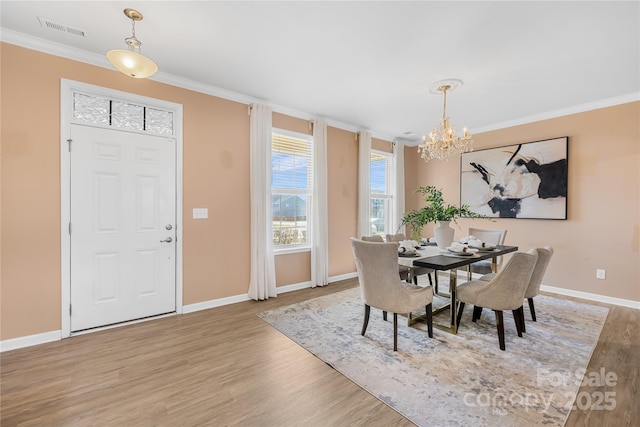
(460, 310)
(532, 309)
(430, 320)
(477, 311)
(521, 310)
(500, 325)
(395, 331)
(518, 319)
(384, 316)
(367, 310)
(435, 279)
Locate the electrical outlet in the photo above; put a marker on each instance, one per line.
(600, 273)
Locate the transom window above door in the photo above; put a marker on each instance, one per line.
(114, 113)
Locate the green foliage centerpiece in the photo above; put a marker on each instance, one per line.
(435, 210)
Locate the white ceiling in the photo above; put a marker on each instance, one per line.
(368, 64)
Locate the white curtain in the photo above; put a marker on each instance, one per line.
(262, 284)
(364, 185)
(319, 215)
(398, 195)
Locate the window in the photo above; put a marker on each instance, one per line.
(381, 193)
(97, 110)
(291, 188)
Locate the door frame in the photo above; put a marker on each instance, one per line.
(67, 88)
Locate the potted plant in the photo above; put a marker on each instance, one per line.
(436, 211)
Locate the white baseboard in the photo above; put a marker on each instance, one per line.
(245, 297)
(214, 303)
(30, 340)
(592, 297)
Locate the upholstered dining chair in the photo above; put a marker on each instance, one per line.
(381, 288)
(494, 237)
(505, 291)
(402, 270)
(399, 237)
(544, 256)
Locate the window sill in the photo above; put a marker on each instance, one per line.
(286, 251)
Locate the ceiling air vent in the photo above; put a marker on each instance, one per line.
(65, 29)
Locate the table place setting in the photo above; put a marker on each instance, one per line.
(474, 243)
(460, 250)
(428, 241)
(408, 248)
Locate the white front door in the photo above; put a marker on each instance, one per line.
(123, 223)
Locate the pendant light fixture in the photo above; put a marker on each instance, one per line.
(443, 141)
(131, 61)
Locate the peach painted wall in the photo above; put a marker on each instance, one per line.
(602, 230)
(216, 153)
(216, 164)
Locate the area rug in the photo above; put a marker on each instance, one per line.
(454, 380)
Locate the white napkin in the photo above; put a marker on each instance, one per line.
(467, 239)
(408, 244)
(457, 247)
(428, 240)
(480, 244)
(406, 251)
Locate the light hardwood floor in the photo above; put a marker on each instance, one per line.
(227, 367)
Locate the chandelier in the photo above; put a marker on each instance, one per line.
(443, 141)
(131, 61)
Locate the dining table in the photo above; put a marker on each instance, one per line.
(437, 259)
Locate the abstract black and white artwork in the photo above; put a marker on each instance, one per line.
(526, 180)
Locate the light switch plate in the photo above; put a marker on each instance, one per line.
(200, 213)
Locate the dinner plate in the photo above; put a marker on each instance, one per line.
(469, 252)
(414, 255)
(487, 249)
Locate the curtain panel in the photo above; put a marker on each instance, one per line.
(319, 215)
(262, 284)
(398, 195)
(364, 184)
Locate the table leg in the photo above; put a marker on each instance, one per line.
(453, 285)
(452, 305)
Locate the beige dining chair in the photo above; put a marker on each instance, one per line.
(533, 289)
(544, 257)
(381, 288)
(494, 237)
(403, 271)
(505, 291)
(417, 271)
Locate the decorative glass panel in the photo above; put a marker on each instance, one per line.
(159, 121)
(90, 109)
(127, 116)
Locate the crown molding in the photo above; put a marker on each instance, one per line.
(574, 109)
(57, 49)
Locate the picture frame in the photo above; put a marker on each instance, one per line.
(524, 181)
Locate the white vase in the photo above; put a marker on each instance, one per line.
(443, 234)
